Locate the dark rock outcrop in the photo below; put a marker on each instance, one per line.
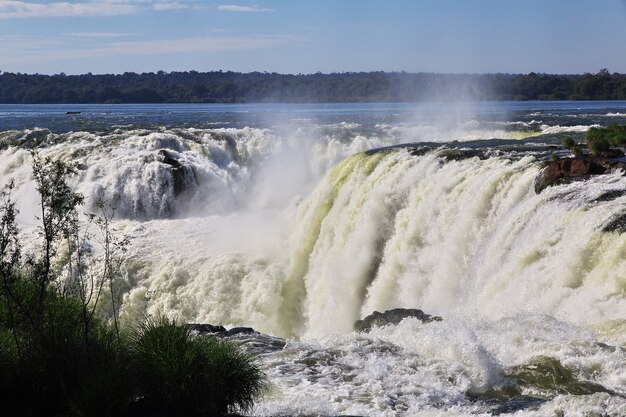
(206, 328)
(395, 316)
(566, 170)
(611, 153)
(255, 342)
(238, 330)
(182, 175)
(616, 224)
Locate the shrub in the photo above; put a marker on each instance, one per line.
(55, 360)
(612, 135)
(179, 374)
(598, 145)
(105, 386)
(568, 142)
(577, 151)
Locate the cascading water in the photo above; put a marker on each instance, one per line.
(299, 234)
(459, 236)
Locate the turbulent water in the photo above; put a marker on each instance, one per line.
(299, 220)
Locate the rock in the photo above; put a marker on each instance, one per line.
(611, 153)
(255, 342)
(616, 224)
(183, 175)
(567, 170)
(610, 195)
(220, 331)
(206, 328)
(238, 330)
(395, 316)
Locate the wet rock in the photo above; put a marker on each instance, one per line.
(566, 170)
(611, 153)
(202, 328)
(182, 175)
(546, 378)
(395, 316)
(255, 342)
(238, 330)
(455, 154)
(610, 195)
(616, 224)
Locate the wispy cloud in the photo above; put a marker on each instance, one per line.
(99, 34)
(170, 5)
(244, 9)
(21, 44)
(10, 9)
(15, 9)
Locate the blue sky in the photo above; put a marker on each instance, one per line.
(306, 36)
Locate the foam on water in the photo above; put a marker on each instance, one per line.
(428, 369)
(300, 234)
(228, 167)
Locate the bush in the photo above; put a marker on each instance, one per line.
(568, 142)
(577, 151)
(53, 361)
(611, 135)
(178, 374)
(598, 145)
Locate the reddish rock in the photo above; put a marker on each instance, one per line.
(572, 169)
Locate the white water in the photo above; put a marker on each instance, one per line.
(297, 238)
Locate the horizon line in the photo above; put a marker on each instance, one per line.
(400, 72)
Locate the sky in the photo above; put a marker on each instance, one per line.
(307, 36)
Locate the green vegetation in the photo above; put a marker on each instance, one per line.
(59, 355)
(600, 139)
(568, 142)
(612, 135)
(257, 87)
(184, 375)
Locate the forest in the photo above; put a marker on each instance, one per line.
(264, 87)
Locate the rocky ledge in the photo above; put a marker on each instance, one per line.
(183, 175)
(395, 316)
(254, 341)
(565, 170)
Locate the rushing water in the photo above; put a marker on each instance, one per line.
(298, 220)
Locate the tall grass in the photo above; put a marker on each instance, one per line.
(179, 374)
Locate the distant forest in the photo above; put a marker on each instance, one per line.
(262, 87)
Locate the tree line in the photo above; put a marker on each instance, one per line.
(264, 87)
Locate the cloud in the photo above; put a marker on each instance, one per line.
(169, 5)
(14, 9)
(10, 9)
(98, 34)
(244, 9)
(19, 44)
